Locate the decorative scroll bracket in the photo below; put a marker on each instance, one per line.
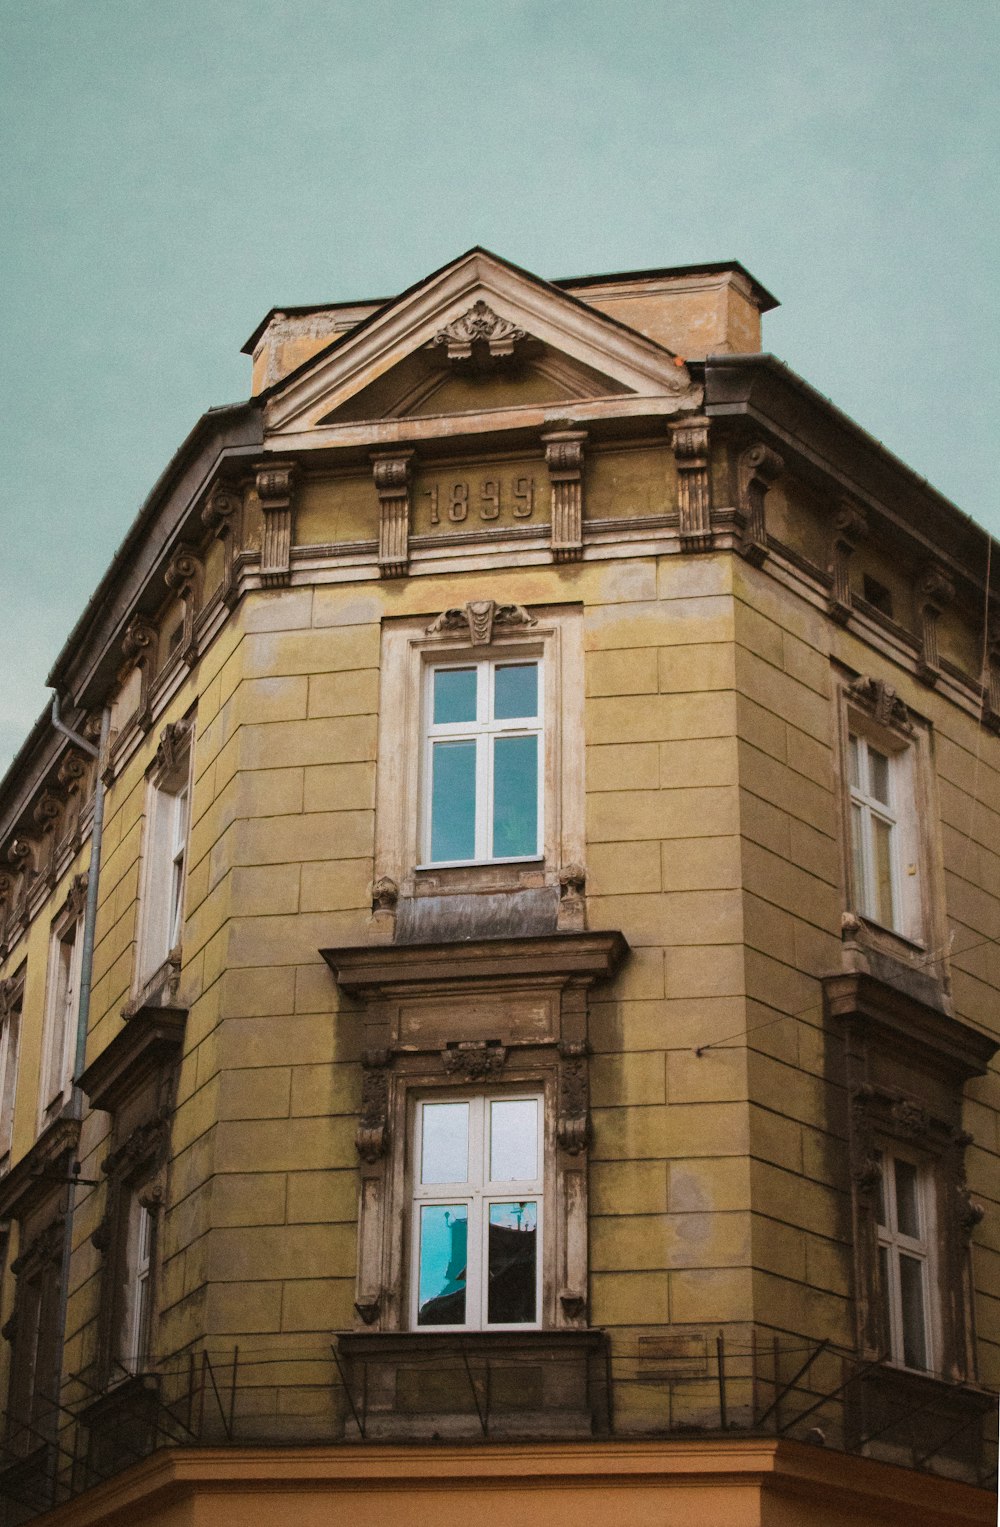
(221, 515)
(392, 470)
(689, 438)
(564, 459)
(935, 590)
(480, 620)
(849, 527)
(479, 338)
(757, 469)
(275, 482)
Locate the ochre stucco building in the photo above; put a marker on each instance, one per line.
(513, 873)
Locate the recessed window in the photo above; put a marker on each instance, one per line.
(10, 1033)
(164, 867)
(483, 762)
(874, 835)
(62, 1006)
(138, 1267)
(477, 1213)
(903, 1260)
(877, 595)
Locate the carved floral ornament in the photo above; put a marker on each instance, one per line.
(882, 703)
(481, 620)
(479, 332)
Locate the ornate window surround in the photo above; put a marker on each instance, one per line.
(134, 1079)
(481, 629)
(870, 708)
(505, 1012)
(168, 776)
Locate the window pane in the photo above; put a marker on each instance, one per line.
(515, 691)
(880, 1190)
(858, 861)
(444, 1240)
(515, 797)
(444, 1151)
(911, 1288)
(855, 766)
(514, 1140)
(882, 844)
(454, 695)
(513, 1241)
(878, 769)
(453, 801)
(907, 1200)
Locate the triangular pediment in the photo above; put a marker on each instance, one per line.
(476, 338)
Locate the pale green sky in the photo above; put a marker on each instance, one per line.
(170, 169)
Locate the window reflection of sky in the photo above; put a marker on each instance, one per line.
(444, 1235)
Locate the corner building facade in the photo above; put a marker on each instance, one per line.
(499, 986)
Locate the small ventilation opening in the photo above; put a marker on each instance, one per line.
(877, 595)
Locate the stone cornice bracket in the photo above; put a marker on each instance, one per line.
(478, 337)
(139, 651)
(689, 438)
(757, 469)
(991, 677)
(480, 620)
(72, 772)
(573, 1126)
(170, 748)
(564, 459)
(474, 1060)
(220, 514)
(849, 528)
(371, 1139)
(935, 591)
(392, 471)
(385, 900)
(183, 575)
(275, 484)
(881, 702)
(571, 917)
(47, 814)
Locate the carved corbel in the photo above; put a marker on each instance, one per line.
(571, 917)
(372, 1138)
(221, 515)
(573, 1126)
(935, 591)
(275, 484)
(689, 438)
(991, 677)
(757, 469)
(392, 471)
(184, 575)
(385, 899)
(76, 900)
(849, 528)
(480, 619)
(22, 854)
(139, 651)
(7, 885)
(47, 815)
(72, 775)
(564, 459)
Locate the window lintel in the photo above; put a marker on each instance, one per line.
(902, 1023)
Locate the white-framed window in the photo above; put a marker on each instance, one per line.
(875, 836)
(62, 1007)
(164, 865)
(138, 1285)
(11, 996)
(483, 765)
(477, 1212)
(903, 1213)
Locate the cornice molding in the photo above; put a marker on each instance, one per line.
(581, 958)
(903, 1022)
(35, 1176)
(151, 1040)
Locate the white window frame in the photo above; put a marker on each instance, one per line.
(894, 1243)
(62, 1011)
(164, 867)
(866, 810)
(408, 651)
(477, 1194)
(484, 732)
(10, 1046)
(138, 1284)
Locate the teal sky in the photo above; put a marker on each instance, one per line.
(170, 169)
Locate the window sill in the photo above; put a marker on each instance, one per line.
(899, 1413)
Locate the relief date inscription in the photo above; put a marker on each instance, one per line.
(474, 500)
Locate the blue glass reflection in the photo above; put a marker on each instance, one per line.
(453, 801)
(515, 797)
(444, 1241)
(454, 695)
(515, 691)
(513, 1248)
